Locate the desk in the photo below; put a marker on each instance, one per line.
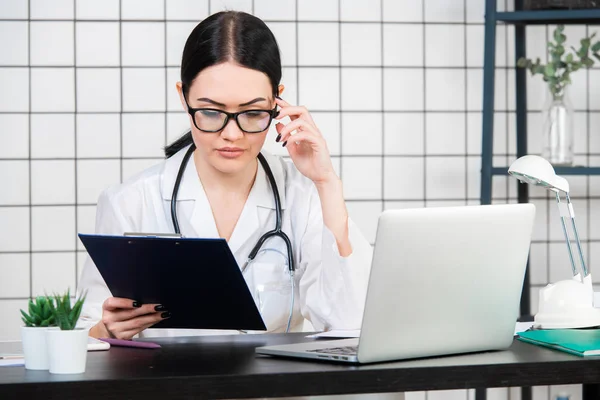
(227, 367)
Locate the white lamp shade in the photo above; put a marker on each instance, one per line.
(536, 170)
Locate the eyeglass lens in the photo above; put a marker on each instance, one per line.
(251, 121)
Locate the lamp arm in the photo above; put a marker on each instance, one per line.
(568, 240)
(572, 215)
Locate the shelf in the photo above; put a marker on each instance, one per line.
(589, 16)
(558, 170)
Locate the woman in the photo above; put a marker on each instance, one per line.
(230, 86)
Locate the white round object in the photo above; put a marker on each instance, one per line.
(567, 304)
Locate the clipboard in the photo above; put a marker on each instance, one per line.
(197, 280)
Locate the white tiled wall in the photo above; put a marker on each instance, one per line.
(87, 98)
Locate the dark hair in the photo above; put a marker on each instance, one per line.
(227, 36)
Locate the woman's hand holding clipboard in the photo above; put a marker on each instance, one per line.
(125, 318)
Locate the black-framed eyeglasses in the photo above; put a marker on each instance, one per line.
(212, 120)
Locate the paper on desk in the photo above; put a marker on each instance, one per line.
(344, 334)
(12, 362)
(522, 327)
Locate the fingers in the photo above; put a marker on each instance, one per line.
(281, 102)
(115, 303)
(303, 138)
(128, 329)
(122, 315)
(118, 304)
(111, 317)
(298, 125)
(294, 112)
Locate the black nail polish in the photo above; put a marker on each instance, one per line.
(279, 97)
(166, 314)
(278, 138)
(284, 143)
(160, 307)
(137, 304)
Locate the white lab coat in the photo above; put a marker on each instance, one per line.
(330, 289)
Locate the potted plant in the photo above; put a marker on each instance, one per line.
(33, 335)
(67, 346)
(557, 113)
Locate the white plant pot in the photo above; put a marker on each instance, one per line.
(67, 350)
(35, 349)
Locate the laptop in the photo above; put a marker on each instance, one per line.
(443, 281)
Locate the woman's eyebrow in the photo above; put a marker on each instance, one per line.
(216, 103)
(256, 100)
(207, 100)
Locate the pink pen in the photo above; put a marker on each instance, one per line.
(130, 343)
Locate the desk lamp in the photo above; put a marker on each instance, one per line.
(567, 303)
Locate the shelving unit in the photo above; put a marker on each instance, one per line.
(519, 18)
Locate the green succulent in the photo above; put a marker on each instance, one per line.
(557, 72)
(40, 313)
(66, 316)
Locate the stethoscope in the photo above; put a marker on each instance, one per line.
(277, 232)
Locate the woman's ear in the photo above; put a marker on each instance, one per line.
(280, 90)
(179, 87)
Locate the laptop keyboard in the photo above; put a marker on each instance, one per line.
(345, 350)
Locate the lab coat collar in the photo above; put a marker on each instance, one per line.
(191, 187)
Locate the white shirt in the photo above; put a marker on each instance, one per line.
(330, 289)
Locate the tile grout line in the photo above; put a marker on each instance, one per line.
(145, 20)
(307, 66)
(121, 91)
(382, 98)
(75, 162)
(588, 253)
(466, 76)
(424, 76)
(340, 82)
(531, 111)
(30, 164)
(165, 113)
(547, 207)
(297, 30)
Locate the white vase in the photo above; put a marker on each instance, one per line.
(35, 349)
(67, 350)
(557, 128)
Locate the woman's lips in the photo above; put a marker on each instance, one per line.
(230, 152)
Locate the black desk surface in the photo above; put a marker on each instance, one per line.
(227, 367)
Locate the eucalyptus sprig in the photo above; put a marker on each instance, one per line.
(39, 313)
(66, 316)
(557, 72)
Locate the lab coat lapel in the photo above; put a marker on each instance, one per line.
(202, 219)
(193, 209)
